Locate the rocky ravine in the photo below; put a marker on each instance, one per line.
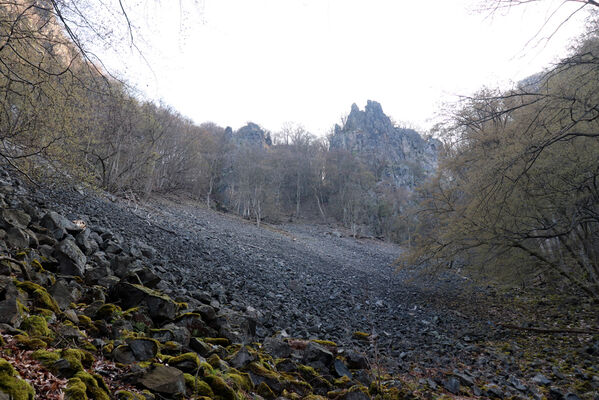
(227, 281)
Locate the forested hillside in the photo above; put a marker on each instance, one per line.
(61, 106)
(516, 195)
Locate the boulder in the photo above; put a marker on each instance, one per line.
(317, 356)
(11, 312)
(340, 369)
(18, 238)
(123, 354)
(356, 360)
(160, 307)
(71, 259)
(143, 349)
(235, 326)
(14, 218)
(242, 358)
(57, 225)
(87, 245)
(276, 347)
(207, 312)
(63, 294)
(165, 380)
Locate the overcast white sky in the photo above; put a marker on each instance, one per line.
(307, 61)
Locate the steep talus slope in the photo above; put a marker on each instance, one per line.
(303, 279)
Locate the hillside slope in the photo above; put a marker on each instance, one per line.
(274, 289)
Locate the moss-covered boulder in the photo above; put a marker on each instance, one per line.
(188, 362)
(12, 385)
(36, 325)
(197, 387)
(41, 297)
(76, 390)
(160, 307)
(222, 391)
(94, 384)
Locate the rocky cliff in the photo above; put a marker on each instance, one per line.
(250, 135)
(396, 155)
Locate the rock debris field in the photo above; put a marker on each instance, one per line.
(293, 281)
(309, 280)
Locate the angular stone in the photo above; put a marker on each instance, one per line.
(208, 313)
(317, 356)
(199, 346)
(160, 307)
(58, 225)
(143, 349)
(452, 385)
(166, 380)
(356, 360)
(242, 358)
(341, 369)
(123, 354)
(14, 218)
(10, 312)
(276, 347)
(84, 242)
(63, 294)
(18, 238)
(71, 259)
(237, 327)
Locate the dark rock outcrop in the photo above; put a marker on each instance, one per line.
(252, 135)
(397, 155)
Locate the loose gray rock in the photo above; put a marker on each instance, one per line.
(317, 356)
(276, 347)
(452, 385)
(71, 259)
(143, 349)
(166, 380)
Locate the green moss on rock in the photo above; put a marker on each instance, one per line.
(12, 385)
(265, 391)
(361, 335)
(47, 358)
(197, 387)
(41, 297)
(240, 380)
(107, 311)
(219, 341)
(127, 395)
(76, 390)
(187, 362)
(221, 390)
(30, 343)
(35, 325)
(95, 386)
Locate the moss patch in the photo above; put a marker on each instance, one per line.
(197, 387)
(76, 390)
(35, 325)
(220, 341)
(221, 390)
(107, 311)
(41, 297)
(11, 384)
(362, 335)
(30, 343)
(95, 386)
(127, 395)
(47, 358)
